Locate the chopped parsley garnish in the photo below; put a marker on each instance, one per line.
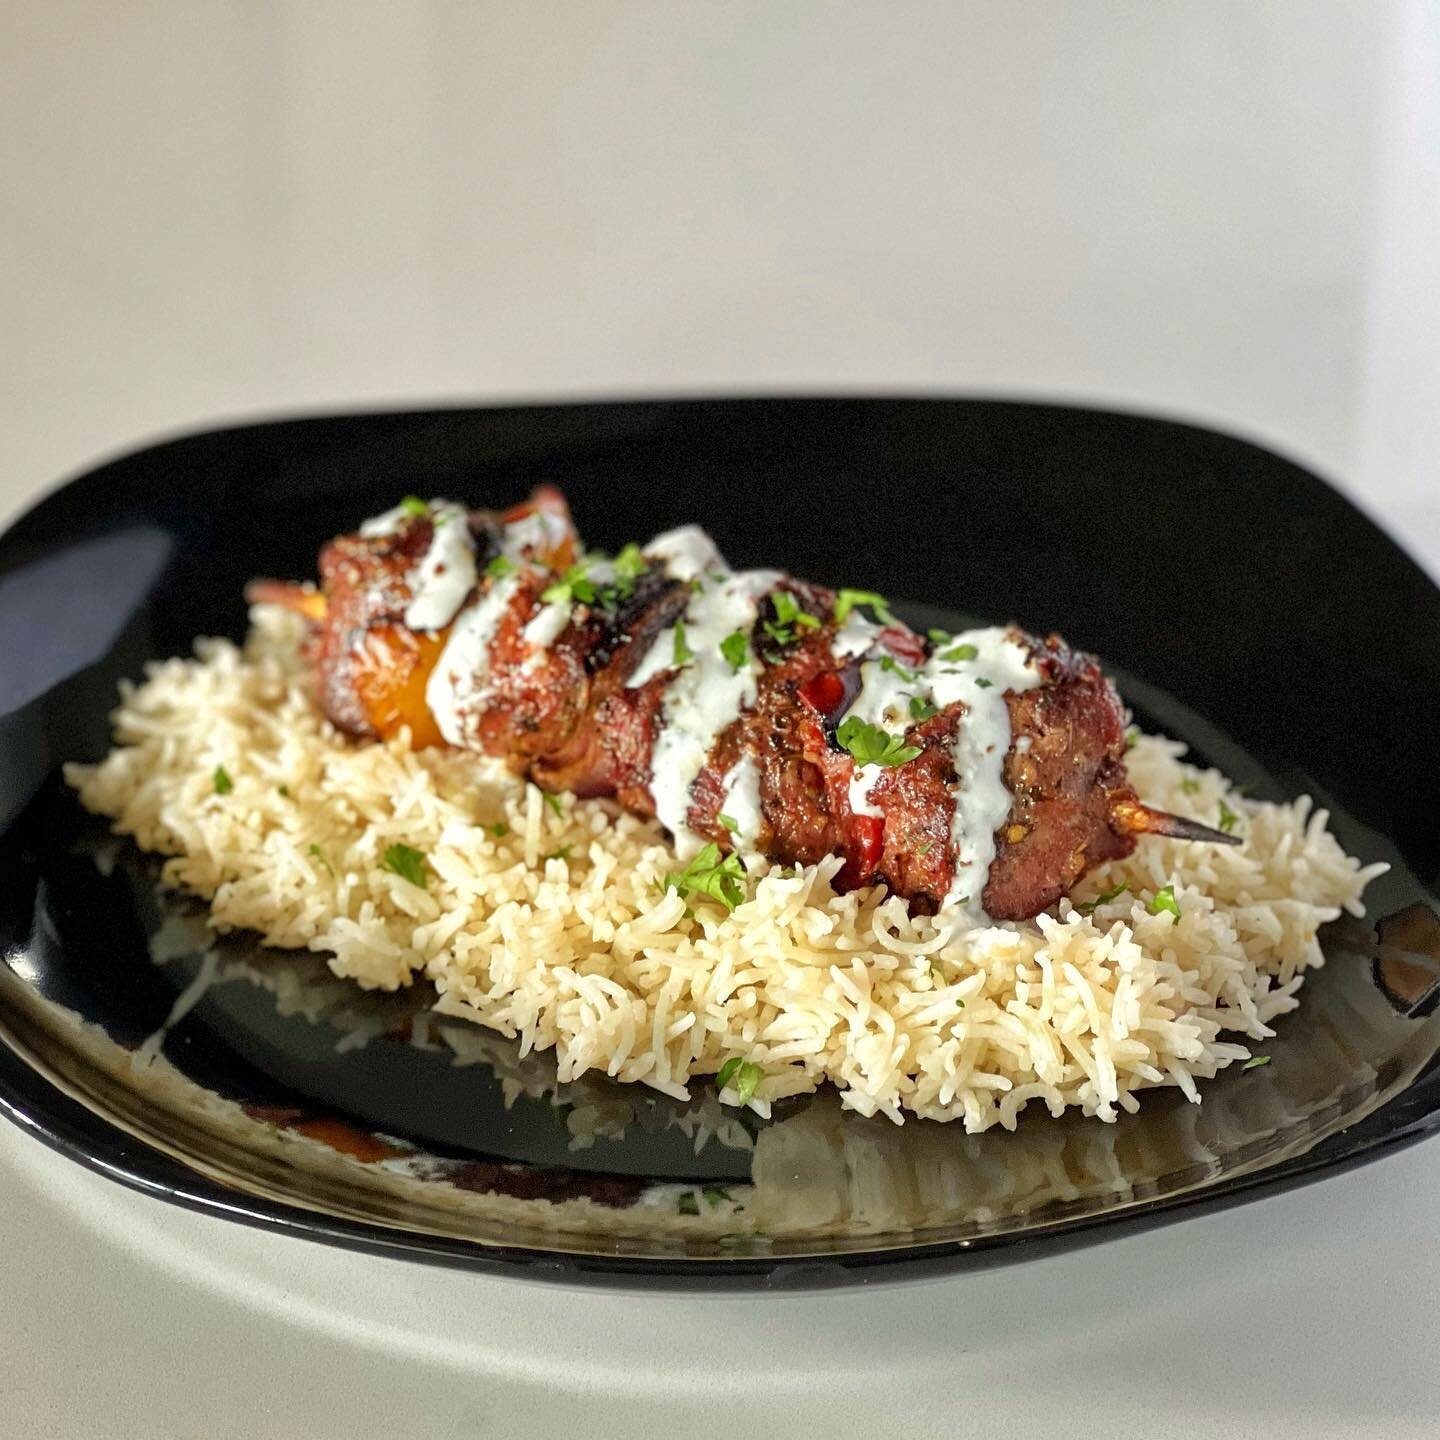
(500, 567)
(689, 1204)
(222, 781)
(720, 877)
(788, 611)
(729, 823)
(714, 1195)
(319, 854)
(890, 664)
(283, 791)
(629, 566)
(414, 505)
(788, 616)
(1163, 902)
(741, 1076)
(1228, 818)
(926, 848)
(982, 683)
(939, 637)
(682, 654)
(1131, 736)
(847, 600)
(1255, 1062)
(960, 652)
(870, 745)
(572, 585)
(1189, 786)
(921, 708)
(555, 804)
(735, 647)
(408, 863)
(562, 852)
(499, 829)
(1088, 907)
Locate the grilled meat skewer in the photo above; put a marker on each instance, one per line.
(982, 772)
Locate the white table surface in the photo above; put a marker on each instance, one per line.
(1221, 212)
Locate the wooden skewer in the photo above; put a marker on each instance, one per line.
(1130, 817)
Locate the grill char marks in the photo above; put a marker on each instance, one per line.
(608, 750)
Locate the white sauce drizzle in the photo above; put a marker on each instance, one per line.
(445, 574)
(460, 682)
(855, 636)
(982, 741)
(705, 696)
(544, 630)
(982, 800)
(741, 800)
(378, 526)
(687, 552)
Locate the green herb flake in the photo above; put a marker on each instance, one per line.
(741, 1076)
(981, 683)
(729, 823)
(572, 585)
(408, 863)
(414, 505)
(788, 615)
(500, 567)
(682, 654)
(1189, 786)
(1163, 902)
(560, 853)
(689, 1203)
(1089, 907)
(222, 781)
(714, 1195)
(319, 854)
(921, 708)
(1228, 818)
(870, 745)
(847, 600)
(1255, 1062)
(735, 647)
(499, 829)
(555, 804)
(1131, 736)
(892, 666)
(719, 877)
(939, 637)
(960, 652)
(630, 565)
(283, 791)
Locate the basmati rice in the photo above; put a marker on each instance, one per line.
(550, 924)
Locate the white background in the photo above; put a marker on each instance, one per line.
(1224, 211)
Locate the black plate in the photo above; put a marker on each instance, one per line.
(1237, 585)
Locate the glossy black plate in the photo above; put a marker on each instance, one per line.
(1244, 606)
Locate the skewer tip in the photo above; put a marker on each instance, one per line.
(1130, 817)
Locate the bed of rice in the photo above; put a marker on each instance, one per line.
(557, 931)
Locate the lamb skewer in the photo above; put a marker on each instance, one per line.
(750, 712)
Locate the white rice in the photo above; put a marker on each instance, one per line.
(557, 931)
